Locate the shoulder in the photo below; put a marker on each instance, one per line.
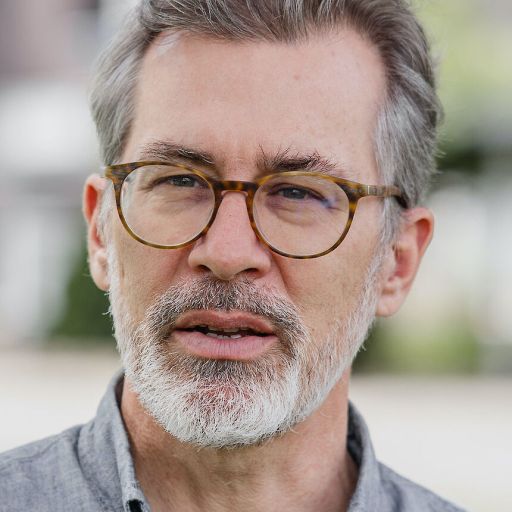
(406, 495)
(41, 475)
(35, 456)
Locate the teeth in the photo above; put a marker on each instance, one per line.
(235, 329)
(220, 336)
(227, 330)
(218, 330)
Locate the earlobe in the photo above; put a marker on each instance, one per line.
(97, 251)
(403, 261)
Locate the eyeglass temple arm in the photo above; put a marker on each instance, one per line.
(386, 191)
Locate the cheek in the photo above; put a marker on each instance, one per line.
(144, 273)
(327, 289)
(321, 291)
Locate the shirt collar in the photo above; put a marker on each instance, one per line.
(105, 453)
(367, 492)
(130, 489)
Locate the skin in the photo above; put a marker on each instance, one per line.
(232, 100)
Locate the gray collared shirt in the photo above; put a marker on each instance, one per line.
(89, 468)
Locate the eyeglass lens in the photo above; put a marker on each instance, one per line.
(298, 215)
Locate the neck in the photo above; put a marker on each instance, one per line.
(305, 469)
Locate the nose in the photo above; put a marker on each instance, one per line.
(230, 247)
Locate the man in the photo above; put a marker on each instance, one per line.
(240, 135)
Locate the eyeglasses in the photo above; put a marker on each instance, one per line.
(297, 214)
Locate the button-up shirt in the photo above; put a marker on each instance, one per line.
(89, 468)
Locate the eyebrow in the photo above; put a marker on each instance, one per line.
(290, 160)
(169, 151)
(281, 161)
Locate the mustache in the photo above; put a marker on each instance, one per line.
(212, 293)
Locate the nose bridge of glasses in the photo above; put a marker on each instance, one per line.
(245, 187)
(236, 186)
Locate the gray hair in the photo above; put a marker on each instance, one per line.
(406, 132)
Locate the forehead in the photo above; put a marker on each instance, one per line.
(235, 99)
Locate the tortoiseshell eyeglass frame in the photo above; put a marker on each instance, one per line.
(118, 173)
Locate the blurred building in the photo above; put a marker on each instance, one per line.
(48, 146)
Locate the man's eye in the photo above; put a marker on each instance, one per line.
(296, 193)
(178, 181)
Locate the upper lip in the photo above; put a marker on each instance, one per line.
(224, 320)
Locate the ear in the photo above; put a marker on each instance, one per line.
(403, 261)
(98, 262)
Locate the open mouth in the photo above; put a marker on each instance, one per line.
(234, 335)
(227, 334)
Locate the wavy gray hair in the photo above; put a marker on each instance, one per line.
(406, 132)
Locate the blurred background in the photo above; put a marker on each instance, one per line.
(434, 382)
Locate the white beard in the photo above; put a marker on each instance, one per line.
(221, 404)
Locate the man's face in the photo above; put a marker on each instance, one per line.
(236, 102)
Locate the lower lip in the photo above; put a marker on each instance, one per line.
(238, 349)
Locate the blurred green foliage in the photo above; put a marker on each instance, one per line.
(85, 318)
(454, 349)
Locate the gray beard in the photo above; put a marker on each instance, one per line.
(227, 404)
